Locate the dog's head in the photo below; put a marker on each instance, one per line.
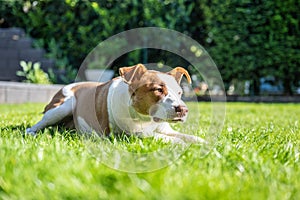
(155, 93)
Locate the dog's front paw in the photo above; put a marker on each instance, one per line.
(199, 140)
(169, 139)
(29, 131)
(192, 139)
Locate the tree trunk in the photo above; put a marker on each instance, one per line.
(287, 86)
(256, 85)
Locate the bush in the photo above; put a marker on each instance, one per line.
(248, 40)
(69, 30)
(33, 73)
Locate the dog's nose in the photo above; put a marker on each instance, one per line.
(181, 109)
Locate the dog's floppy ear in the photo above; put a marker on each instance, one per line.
(129, 74)
(178, 72)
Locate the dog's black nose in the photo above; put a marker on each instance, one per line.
(181, 110)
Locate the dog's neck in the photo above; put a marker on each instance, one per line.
(137, 117)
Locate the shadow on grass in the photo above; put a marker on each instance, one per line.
(67, 133)
(50, 131)
(13, 128)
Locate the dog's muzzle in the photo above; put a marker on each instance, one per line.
(181, 111)
(161, 113)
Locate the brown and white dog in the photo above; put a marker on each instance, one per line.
(141, 102)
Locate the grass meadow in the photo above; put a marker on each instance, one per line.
(256, 156)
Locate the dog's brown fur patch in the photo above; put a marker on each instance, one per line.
(147, 91)
(101, 107)
(86, 94)
(57, 100)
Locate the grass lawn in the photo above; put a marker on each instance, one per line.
(257, 156)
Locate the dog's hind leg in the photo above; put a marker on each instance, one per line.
(53, 116)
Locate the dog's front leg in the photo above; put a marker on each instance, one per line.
(166, 130)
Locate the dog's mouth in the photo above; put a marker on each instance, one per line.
(174, 120)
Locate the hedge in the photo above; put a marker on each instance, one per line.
(247, 39)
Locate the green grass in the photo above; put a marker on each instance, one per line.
(256, 157)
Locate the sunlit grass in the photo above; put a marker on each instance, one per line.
(256, 157)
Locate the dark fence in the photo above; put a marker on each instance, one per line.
(254, 99)
(14, 47)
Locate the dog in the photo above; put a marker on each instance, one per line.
(140, 101)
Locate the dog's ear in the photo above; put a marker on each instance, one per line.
(129, 74)
(178, 72)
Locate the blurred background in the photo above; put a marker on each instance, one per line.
(255, 44)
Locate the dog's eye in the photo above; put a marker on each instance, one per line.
(160, 90)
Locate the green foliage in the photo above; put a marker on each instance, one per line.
(246, 39)
(33, 73)
(70, 29)
(249, 40)
(256, 157)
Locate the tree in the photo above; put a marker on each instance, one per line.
(251, 39)
(247, 39)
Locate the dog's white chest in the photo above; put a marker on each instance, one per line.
(121, 118)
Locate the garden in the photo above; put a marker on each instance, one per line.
(252, 43)
(255, 154)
